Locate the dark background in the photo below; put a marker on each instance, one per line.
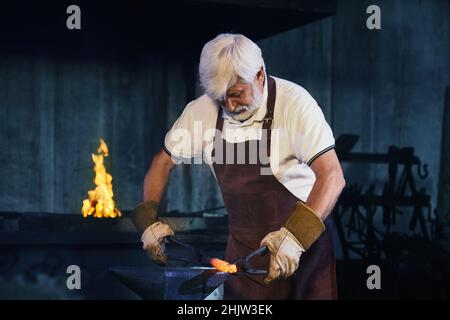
(129, 72)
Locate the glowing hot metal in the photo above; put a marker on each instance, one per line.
(223, 265)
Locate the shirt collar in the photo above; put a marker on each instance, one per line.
(257, 117)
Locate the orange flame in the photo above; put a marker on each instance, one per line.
(223, 265)
(100, 203)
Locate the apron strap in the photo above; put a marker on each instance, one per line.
(267, 124)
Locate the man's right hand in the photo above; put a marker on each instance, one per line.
(153, 241)
(145, 218)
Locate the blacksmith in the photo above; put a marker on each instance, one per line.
(273, 156)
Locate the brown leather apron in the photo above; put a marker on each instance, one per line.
(258, 204)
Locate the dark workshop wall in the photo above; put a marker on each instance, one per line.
(389, 85)
(306, 59)
(53, 112)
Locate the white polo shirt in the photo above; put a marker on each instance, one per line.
(300, 134)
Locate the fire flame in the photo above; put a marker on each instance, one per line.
(100, 203)
(223, 265)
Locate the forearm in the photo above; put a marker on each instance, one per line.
(325, 192)
(157, 177)
(146, 213)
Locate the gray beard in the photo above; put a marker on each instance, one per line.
(242, 113)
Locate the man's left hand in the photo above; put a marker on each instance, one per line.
(285, 251)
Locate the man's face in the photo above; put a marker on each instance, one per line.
(243, 99)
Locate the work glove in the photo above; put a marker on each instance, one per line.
(286, 245)
(285, 252)
(153, 241)
(153, 231)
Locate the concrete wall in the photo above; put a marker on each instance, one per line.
(54, 111)
(304, 56)
(388, 85)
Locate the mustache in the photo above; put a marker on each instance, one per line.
(240, 109)
(242, 112)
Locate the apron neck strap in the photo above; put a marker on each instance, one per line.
(271, 90)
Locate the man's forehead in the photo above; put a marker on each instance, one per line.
(240, 85)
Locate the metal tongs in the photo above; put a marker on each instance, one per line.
(196, 257)
(243, 264)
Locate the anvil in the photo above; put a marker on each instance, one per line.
(171, 283)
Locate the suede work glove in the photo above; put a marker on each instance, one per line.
(153, 241)
(153, 231)
(285, 252)
(286, 245)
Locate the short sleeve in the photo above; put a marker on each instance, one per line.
(180, 141)
(312, 136)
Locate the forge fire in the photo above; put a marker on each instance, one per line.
(100, 203)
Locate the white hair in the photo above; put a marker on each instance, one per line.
(224, 60)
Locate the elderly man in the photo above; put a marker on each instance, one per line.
(273, 156)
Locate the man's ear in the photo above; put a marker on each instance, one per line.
(260, 75)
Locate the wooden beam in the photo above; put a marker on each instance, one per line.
(322, 6)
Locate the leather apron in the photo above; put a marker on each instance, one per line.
(258, 204)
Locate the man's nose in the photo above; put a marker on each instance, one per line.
(231, 105)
